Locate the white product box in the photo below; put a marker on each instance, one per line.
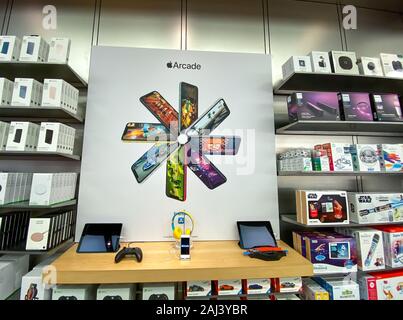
(366, 157)
(20, 264)
(375, 207)
(339, 288)
(381, 286)
(59, 50)
(311, 290)
(6, 91)
(23, 136)
(159, 291)
(198, 288)
(34, 49)
(74, 292)
(392, 65)
(297, 64)
(340, 158)
(286, 297)
(10, 47)
(59, 93)
(393, 240)
(4, 130)
(290, 285)
(7, 186)
(370, 66)
(229, 287)
(33, 288)
(344, 62)
(52, 137)
(38, 234)
(320, 62)
(391, 157)
(369, 242)
(257, 286)
(7, 279)
(27, 92)
(116, 292)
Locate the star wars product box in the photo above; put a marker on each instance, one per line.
(386, 107)
(366, 157)
(375, 207)
(393, 240)
(331, 253)
(382, 285)
(311, 290)
(198, 288)
(370, 255)
(313, 106)
(355, 107)
(339, 154)
(339, 288)
(391, 157)
(322, 207)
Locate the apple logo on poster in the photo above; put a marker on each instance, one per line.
(169, 65)
(183, 66)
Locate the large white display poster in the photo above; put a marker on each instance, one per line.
(167, 130)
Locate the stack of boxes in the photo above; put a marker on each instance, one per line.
(6, 91)
(56, 137)
(59, 93)
(27, 93)
(23, 136)
(14, 187)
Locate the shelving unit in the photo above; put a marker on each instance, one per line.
(336, 173)
(24, 205)
(311, 81)
(13, 113)
(21, 249)
(26, 155)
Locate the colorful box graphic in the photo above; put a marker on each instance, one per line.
(355, 107)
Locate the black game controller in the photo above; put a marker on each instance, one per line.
(112, 298)
(67, 298)
(161, 296)
(129, 252)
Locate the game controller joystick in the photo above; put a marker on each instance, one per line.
(112, 298)
(161, 296)
(129, 252)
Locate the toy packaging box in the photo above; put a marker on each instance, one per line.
(375, 207)
(340, 158)
(331, 253)
(299, 240)
(116, 292)
(311, 290)
(322, 207)
(366, 157)
(198, 288)
(386, 107)
(355, 107)
(313, 106)
(256, 286)
(369, 242)
(339, 288)
(159, 291)
(228, 287)
(288, 296)
(382, 286)
(287, 284)
(393, 240)
(391, 157)
(33, 288)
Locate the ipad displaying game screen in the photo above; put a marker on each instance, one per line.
(254, 234)
(100, 237)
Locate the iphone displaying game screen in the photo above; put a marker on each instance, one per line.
(188, 111)
(135, 131)
(152, 159)
(162, 110)
(216, 144)
(176, 175)
(211, 119)
(205, 170)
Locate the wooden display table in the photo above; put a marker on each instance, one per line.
(211, 260)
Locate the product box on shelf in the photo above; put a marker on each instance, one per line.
(256, 286)
(375, 207)
(370, 66)
(287, 284)
(198, 288)
(391, 157)
(13, 228)
(159, 291)
(74, 292)
(344, 62)
(369, 242)
(39, 234)
(322, 207)
(320, 160)
(27, 92)
(296, 160)
(339, 288)
(59, 50)
(34, 49)
(386, 107)
(392, 65)
(311, 290)
(10, 47)
(381, 285)
(33, 287)
(56, 137)
(331, 253)
(393, 245)
(7, 276)
(22, 136)
(228, 287)
(296, 64)
(340, 158)
(4, 130)
(355, 107)
(6, 91)
(319, 106)
(20, 265)
(59, 93)
(366, 157)
(320, 62)
(116, 292)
